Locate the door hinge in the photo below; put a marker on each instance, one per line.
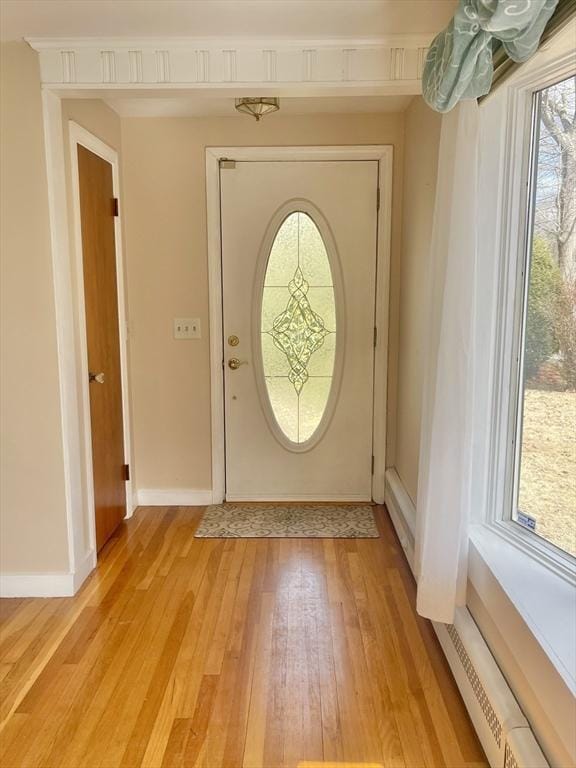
(375, 336)
(114, 206)
(225, 162)
(372, 463)
(126, 471)
(378, 199)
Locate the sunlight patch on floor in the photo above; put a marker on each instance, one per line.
(331, 764)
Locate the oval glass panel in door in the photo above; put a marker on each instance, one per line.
(298, 327)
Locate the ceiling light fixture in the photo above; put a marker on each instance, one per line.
(258, 107)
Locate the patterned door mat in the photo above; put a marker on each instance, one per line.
(302, 521)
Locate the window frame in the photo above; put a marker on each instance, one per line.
(517, 193)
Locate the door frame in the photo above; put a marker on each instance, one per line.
(79, 136)
(384, 155)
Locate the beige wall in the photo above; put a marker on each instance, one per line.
(165, 231)
(421, 142)
(33, 518)
(33, 525)
(94, 115)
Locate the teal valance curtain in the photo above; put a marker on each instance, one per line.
(459, 62)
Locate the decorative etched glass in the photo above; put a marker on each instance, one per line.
(298, 327)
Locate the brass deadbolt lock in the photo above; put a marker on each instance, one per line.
(233, 341)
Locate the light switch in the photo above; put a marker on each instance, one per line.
(187, 328)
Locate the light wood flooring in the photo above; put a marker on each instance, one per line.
(225, 653)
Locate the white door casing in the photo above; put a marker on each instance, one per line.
(340, 197)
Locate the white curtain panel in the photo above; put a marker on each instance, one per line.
(444, 480)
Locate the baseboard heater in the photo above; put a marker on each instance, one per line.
(498, 720)
(503, 730)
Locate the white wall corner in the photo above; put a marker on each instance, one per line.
(402, 513)
(172, 497)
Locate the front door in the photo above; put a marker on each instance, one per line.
(298, 286)
(103, 341)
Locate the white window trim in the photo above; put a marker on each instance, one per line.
(544, 602)
(514, 188)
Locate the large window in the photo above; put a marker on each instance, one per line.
(545, 477)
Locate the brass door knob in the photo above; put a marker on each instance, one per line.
(234, 363)
(97, 377)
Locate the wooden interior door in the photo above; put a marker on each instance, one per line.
(97, 211)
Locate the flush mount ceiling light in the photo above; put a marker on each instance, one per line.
(258, 107)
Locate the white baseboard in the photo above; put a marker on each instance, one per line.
(36, 584)
(172, 497)
(501, 726)
(58, 584)
(84, 569)
(402, 513)
(523, 751)
(302, 497)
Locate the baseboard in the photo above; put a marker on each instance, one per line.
(84, 569)
(172, 497)
(302, 497)
(402, 512)
(36, 584)
(58, 584)
(523, 751)
(187, 497)
(504, 732)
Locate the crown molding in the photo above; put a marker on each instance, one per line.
(387, 63)
(223, 43)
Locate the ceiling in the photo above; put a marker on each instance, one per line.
(296, 19)
(200, 105)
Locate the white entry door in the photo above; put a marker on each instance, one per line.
(299, 283)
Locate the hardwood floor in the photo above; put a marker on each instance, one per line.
(222, 653)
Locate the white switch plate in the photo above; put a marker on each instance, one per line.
(187, 328)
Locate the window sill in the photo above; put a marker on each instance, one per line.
(545, 601)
